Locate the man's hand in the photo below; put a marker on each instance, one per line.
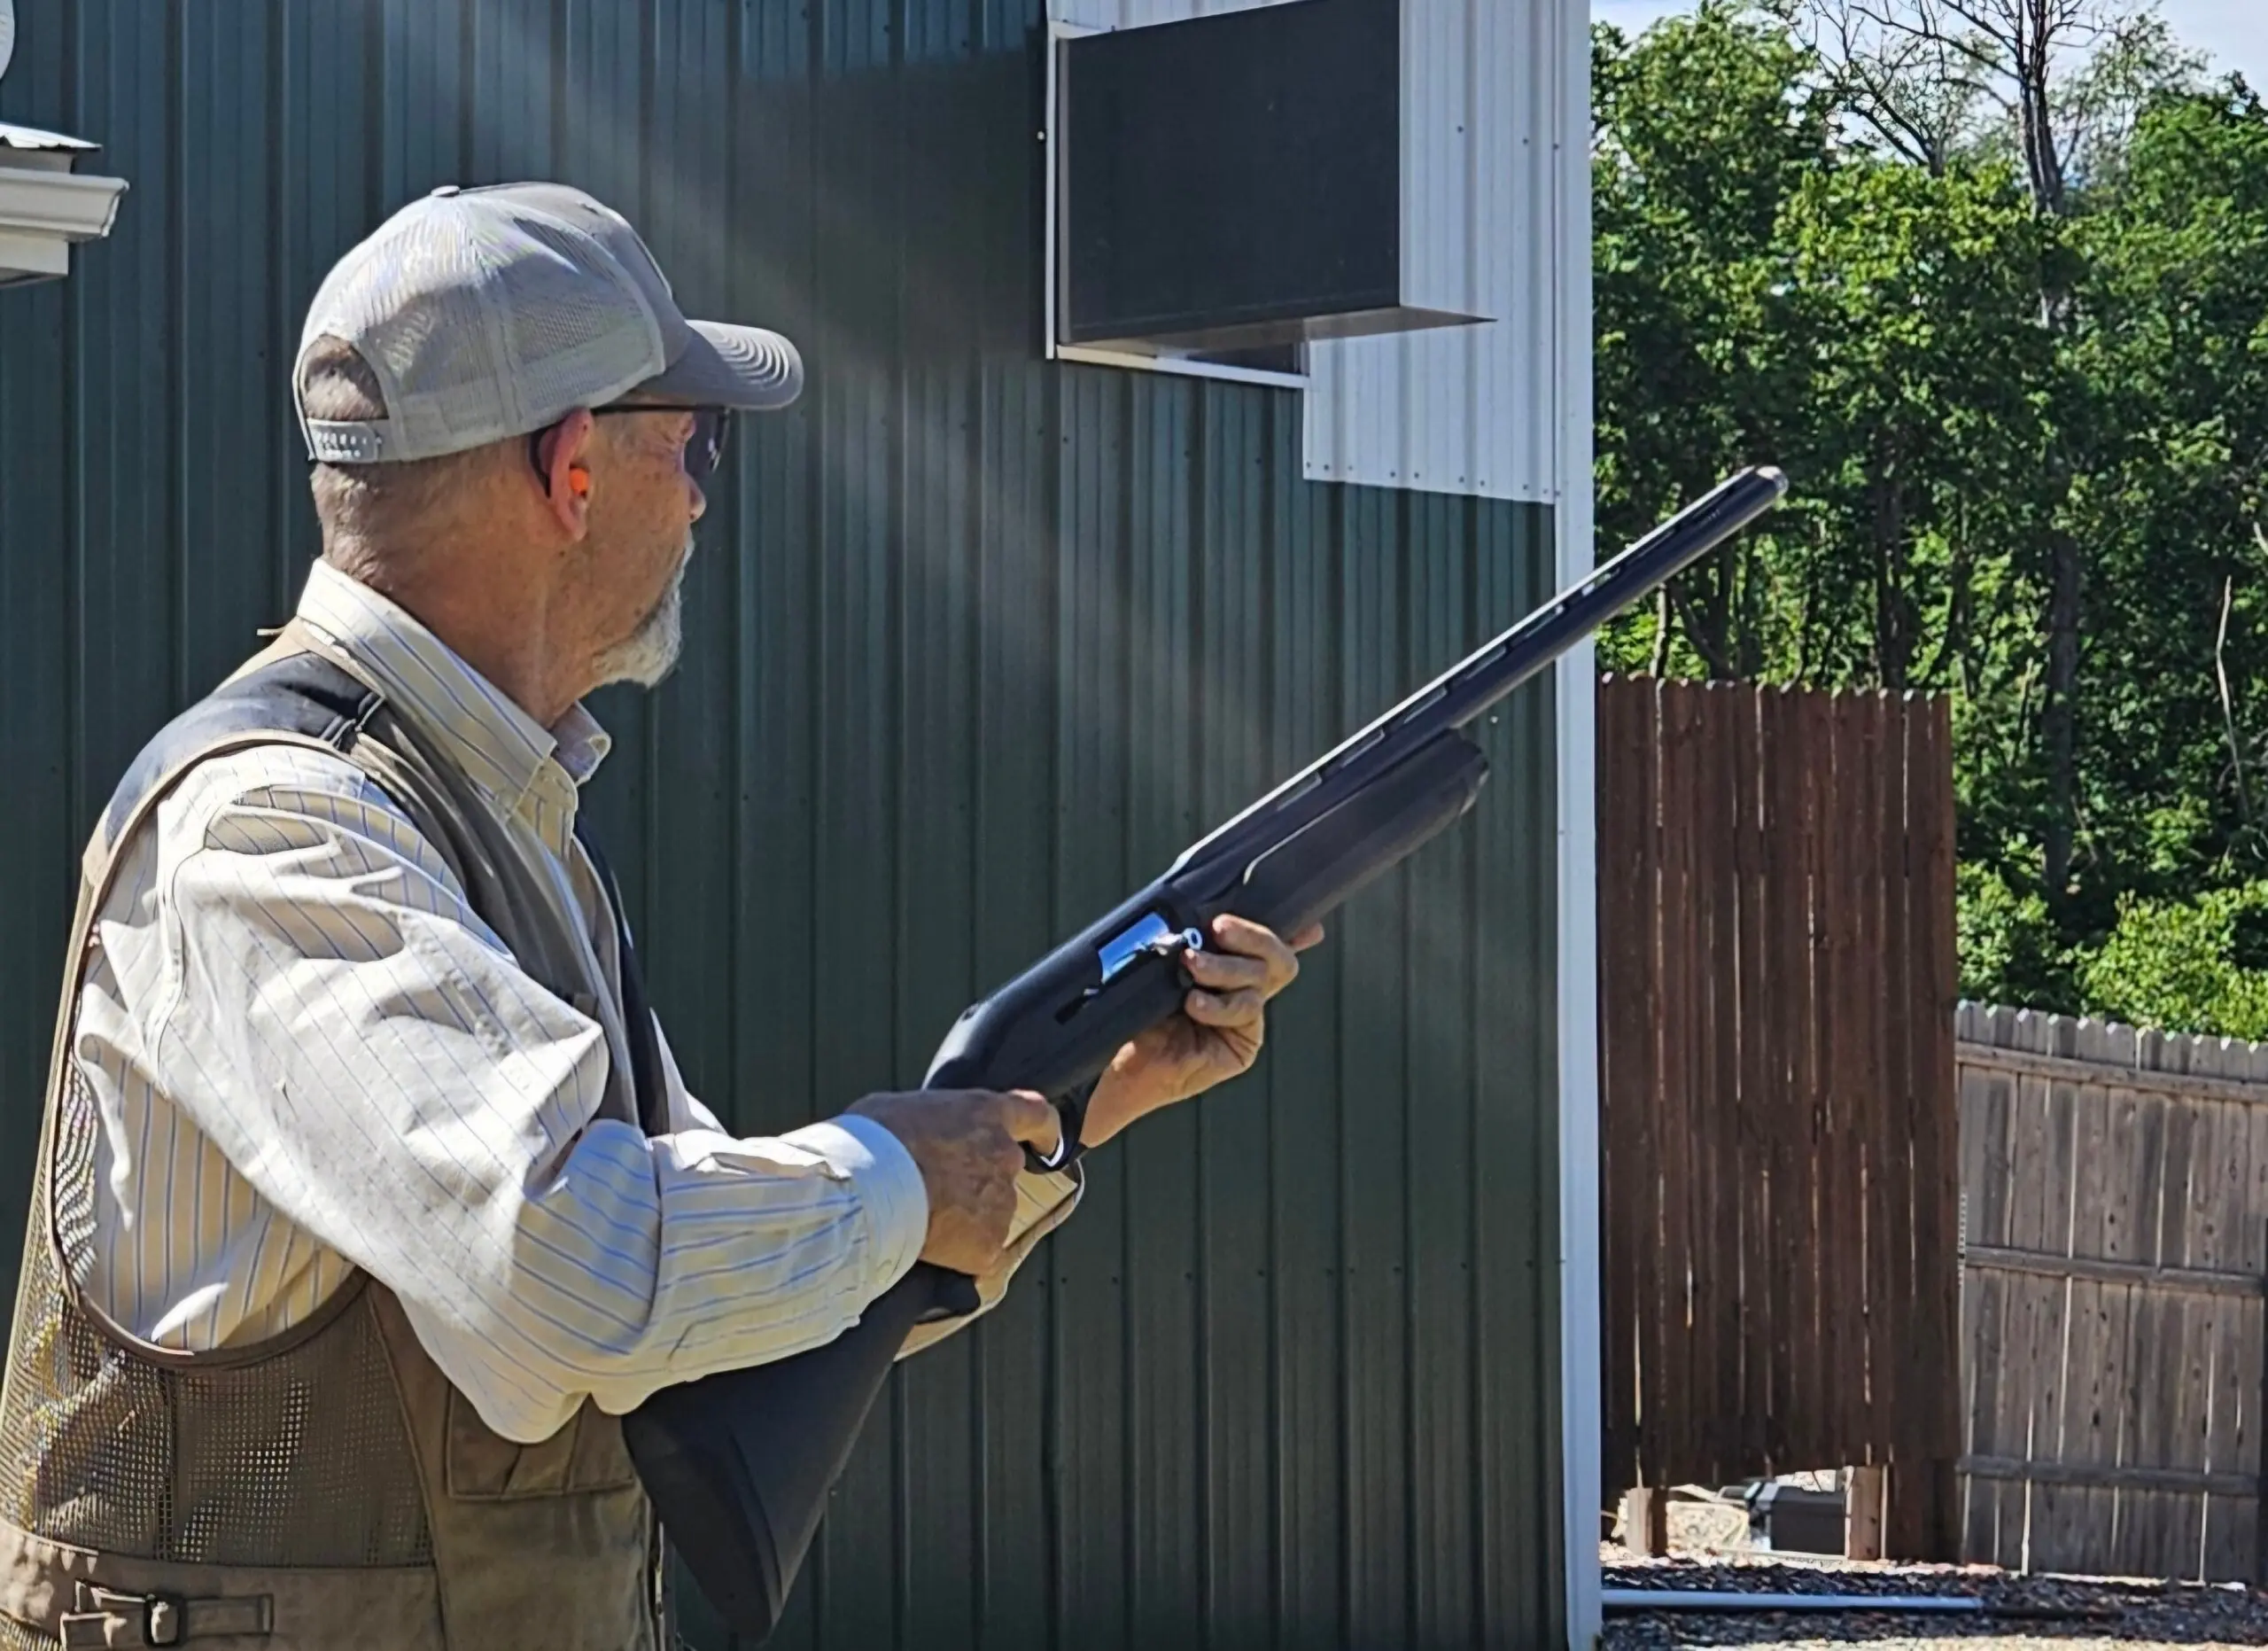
(1216, 1036)
(969, 1144)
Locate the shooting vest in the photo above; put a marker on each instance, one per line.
(327, 1489)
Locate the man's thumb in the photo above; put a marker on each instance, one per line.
(1032, 1118)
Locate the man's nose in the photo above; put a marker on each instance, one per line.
(700, 499)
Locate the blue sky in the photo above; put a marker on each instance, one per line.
(2234, 32)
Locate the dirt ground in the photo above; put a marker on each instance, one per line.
(1711, 1552)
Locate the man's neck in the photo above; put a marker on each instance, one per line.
(503, 633)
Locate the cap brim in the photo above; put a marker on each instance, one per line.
(751, 369)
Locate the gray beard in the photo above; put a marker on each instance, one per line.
(650, 653)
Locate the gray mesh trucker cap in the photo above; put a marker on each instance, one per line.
(490, 313)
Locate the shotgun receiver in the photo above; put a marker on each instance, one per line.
(740, 1464)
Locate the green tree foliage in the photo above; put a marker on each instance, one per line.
(2010, 422)
(2175, 354)
(2008, 948)
(1705, 132)
(2196, 965)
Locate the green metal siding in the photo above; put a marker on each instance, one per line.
(974, 643)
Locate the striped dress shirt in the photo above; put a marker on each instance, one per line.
(309, 1055)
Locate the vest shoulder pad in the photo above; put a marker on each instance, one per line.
(303, 695)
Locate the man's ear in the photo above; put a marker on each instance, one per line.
(562, 455)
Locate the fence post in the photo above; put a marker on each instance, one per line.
(1862, 1526)
(1645, 1519)
(1922, 1518)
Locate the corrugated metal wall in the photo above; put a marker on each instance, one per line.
(974, 642)
(1468, 410)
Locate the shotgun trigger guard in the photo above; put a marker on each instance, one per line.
(1068, 1148)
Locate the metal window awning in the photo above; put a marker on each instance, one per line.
(1248, 180)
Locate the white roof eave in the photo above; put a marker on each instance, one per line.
(33, 138)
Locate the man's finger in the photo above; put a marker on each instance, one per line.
(1244, 938)
(1225, 972)
(1032, 1119)
(1306, 939)
(1242, 935)
(1244, 1008)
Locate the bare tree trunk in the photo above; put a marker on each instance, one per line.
(1707, 613)
(1893, 624)
(1720, 616)
(2229, 701)
(1748, 633)
(1953, 640)
(2037, 23)
(2059, 717)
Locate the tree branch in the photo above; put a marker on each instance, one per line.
(2228, 702)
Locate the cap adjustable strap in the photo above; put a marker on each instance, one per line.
(345, 442)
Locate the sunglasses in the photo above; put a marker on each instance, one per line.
(704, 449)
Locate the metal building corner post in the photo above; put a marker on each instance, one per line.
(1575, 699)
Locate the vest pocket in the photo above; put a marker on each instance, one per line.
(482, 1465)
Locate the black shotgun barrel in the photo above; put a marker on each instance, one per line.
(740, 1464)
(1485, 676)
(1359, 808)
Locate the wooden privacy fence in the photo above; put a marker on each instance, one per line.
(1777, 989)
(2116, 1191)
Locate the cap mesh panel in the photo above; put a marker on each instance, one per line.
(573, 342)
(484, 324)
(409, 302)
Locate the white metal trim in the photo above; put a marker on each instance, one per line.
(61, 204)
(1051, 270)
(1576, 695)
(1189, 366)
(32, 258)
(1470, 410)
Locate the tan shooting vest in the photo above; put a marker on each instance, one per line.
(327, 1489)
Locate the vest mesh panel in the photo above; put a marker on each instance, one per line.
(299, 1459)
(315, 1451)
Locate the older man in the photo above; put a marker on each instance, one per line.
(368, 1194)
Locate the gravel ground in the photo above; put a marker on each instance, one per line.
(2127, 1614)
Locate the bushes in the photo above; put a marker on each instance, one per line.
(2008, 949)
(2198, 966)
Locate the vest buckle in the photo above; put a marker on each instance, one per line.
(161, 1623)
(109, 1617)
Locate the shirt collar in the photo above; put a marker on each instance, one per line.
(503, 748)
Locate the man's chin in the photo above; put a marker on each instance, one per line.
(650, 654)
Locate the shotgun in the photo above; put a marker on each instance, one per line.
(740, 1464)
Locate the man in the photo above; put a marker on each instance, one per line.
(368, 1194)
